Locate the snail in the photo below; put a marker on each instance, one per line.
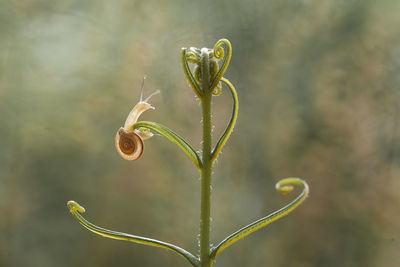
(129, 141)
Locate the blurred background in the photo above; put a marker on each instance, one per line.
(318, 84)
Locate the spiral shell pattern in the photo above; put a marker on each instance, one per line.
(129, 144)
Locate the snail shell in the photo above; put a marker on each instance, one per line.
(129, 144)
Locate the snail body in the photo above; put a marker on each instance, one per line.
(129, 141)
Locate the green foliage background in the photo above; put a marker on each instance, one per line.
(318, 84)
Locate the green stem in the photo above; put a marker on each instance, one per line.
(206, 170)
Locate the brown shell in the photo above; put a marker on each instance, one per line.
(128, 144)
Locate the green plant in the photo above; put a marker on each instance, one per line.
(206, 80)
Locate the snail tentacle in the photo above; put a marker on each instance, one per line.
(284, 186)
(137, 110)
(77, 209)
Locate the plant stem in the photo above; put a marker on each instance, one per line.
(206, 170)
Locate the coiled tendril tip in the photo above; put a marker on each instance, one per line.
(285, 186)
(73, 206)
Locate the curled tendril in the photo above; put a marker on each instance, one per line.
(77, 209)
(229, 128)
(74, 207)
(219, 53)
(188, 73)
(217, 90)
(214, 71)
(283, 186)
(193, 55)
